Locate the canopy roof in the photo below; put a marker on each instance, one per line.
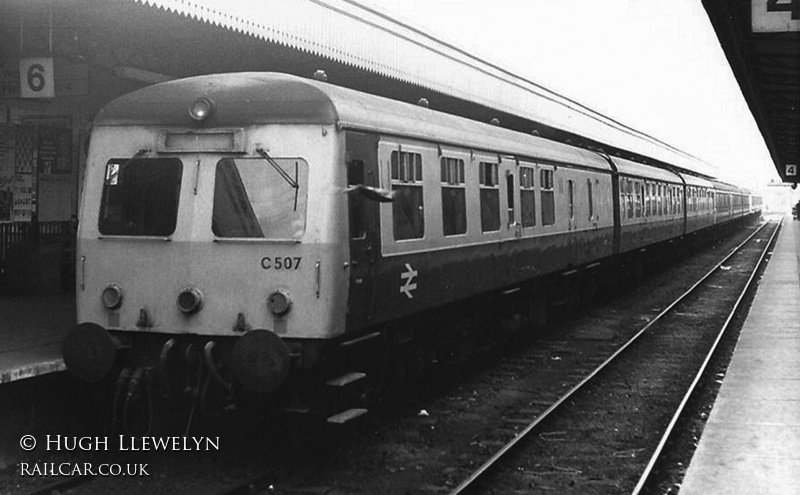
(353, 34)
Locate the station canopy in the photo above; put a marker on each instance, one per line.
(356, 35)
(761, 39)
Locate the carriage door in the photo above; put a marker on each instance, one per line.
(362, 169)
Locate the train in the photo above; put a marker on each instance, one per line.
(265, 238)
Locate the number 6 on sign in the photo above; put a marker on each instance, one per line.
(36, 78)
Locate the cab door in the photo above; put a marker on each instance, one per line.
(362, 169)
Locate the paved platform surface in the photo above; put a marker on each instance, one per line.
(751, 443)
(32, 329)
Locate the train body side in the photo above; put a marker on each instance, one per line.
(508, 229)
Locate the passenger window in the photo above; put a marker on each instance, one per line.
(140, 197)
(407, 207)
(589, 197)
(629, 197)
(527, 196)
(454, 199)
(639, 199)
(261, 198)
(489, 197)
(571, 197)
(547, 197)
(660, 199)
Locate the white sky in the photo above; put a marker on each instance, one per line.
(654, 65)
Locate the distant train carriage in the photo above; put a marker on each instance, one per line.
(651, 204)
(699, 202)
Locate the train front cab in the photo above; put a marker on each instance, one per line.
(217, 243)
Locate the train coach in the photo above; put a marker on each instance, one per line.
(261, 233)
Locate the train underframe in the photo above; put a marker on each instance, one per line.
(196, 375)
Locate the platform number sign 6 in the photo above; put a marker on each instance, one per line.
(36, 78)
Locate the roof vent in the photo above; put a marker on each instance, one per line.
(320, 75)
(495, 121)
(423, 102)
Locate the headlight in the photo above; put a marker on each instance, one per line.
(279, 302)
(201, 109)
(190, 300)
(112, 296)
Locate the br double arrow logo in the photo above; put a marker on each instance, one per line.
(409, 275)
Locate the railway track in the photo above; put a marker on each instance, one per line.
(401, 451)
(554, 451)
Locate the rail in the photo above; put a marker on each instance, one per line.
(471, 482)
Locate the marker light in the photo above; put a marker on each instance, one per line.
(201, 109)
(279, 302)
(112, 296)
(190, 300)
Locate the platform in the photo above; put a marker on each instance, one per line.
(751, 442)
(32, 329)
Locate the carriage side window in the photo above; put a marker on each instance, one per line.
(589, 197)
(639, 205)
(140, 196)
(407, 207)
(454, 198)
(571, 197)
(490, 197)
(260, 198)
(548, 199)
(527, 196)
(667, 199)
(629, 197)
(660, 199)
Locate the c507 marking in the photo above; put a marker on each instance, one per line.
(281, 262)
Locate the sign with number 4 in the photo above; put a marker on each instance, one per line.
(775, 16)
(791, 170)
(36, 78)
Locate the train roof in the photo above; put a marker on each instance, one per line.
(724, 186)
(629, 167)
(252, 98)
(693, 180)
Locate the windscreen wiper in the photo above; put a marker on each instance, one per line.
(283, 173)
